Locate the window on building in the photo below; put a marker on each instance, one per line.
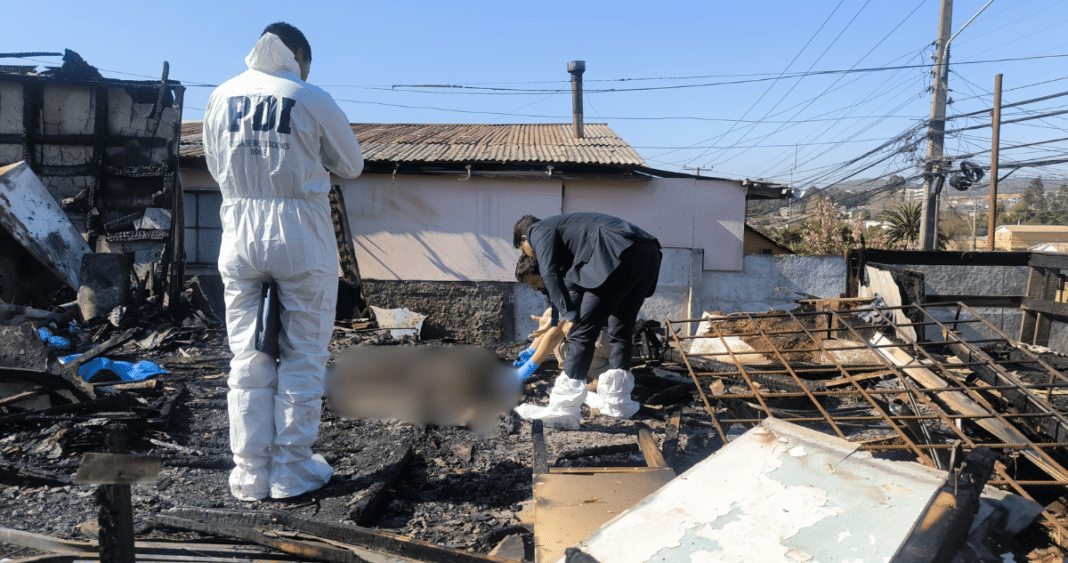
(203, 230)
(767, 251)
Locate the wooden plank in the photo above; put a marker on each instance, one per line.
(653, 457)
(591, 470)
(379, 542)
(1029, 322)
(310, 550)
(961, 403)
(842, 381)
(111, 343)
(365, 544)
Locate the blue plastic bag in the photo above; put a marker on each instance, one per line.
(125, 370)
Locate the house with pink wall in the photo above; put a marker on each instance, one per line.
(435, 207)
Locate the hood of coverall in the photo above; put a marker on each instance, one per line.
(272, 56)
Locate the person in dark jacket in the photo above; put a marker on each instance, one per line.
(596, 269)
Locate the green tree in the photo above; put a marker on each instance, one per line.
(1032, 209)
(904, 224)
(1058, 205)
(982, 224)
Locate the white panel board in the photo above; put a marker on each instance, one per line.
(779, 493)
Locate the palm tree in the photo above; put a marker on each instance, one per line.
(904, 223)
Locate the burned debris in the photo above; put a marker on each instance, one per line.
(887, 404)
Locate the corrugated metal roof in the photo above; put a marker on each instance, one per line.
(543, 143)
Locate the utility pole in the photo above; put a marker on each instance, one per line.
(936, 131)
(992, 213)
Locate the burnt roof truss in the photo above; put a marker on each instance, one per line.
(845, 368)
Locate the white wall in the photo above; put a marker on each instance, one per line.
(447, 229)
(442, 228)
(680, 212)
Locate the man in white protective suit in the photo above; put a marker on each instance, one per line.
(270, 139)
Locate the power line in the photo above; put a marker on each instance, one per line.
(768, 90)
(444, 88)
(1012, 105)
(1005, 121)
(826, 90)
(797, 83)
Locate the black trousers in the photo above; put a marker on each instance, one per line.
(616, 302)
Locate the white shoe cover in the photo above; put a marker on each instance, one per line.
(249, 478)
(299, 477)
(613, 394)
(564, 410)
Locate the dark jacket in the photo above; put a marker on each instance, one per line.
(586, 247)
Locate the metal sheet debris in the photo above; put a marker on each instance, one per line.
(780, 492)
(400, 322)
(35, 219)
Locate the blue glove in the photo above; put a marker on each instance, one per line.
(526, 370)
(523, 357)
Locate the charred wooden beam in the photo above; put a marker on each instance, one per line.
(18, 398)
(146, 385)
(76, 387)
(680, 393)
(944, 527)
(1054, 423)
(342, 543)
(116, 509)
(381, 542)
(541, 453)
(27, 472)
(310, 550)
(53, 412)
(167, 408)
(108, 345)
(671, 437)
(367, 508)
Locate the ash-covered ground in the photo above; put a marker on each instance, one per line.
(443, 484)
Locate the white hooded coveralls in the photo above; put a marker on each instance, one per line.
(267, 137)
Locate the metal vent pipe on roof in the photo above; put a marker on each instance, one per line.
(576, 68)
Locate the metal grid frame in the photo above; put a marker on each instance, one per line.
(994, 394)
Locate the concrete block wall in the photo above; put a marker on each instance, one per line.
(488, 311)
(755, 288)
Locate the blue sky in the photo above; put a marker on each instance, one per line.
(735, 89)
